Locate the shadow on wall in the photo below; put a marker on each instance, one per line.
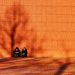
(15, 31)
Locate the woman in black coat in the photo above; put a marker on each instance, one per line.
(16, 52)
(24, 52)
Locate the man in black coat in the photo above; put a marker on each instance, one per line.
(16, 52)
(24, 52)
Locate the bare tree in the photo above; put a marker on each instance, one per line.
(15, 28)
(15, 18)
(15, 21)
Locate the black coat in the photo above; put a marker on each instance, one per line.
(16, 53)
(24, 52)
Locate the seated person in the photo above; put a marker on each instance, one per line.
(24, 52)
(16, 52)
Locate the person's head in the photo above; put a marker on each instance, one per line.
(24, 49)
(17, 49)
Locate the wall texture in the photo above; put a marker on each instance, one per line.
(53, 20)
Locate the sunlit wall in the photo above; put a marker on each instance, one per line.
(53, 20)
